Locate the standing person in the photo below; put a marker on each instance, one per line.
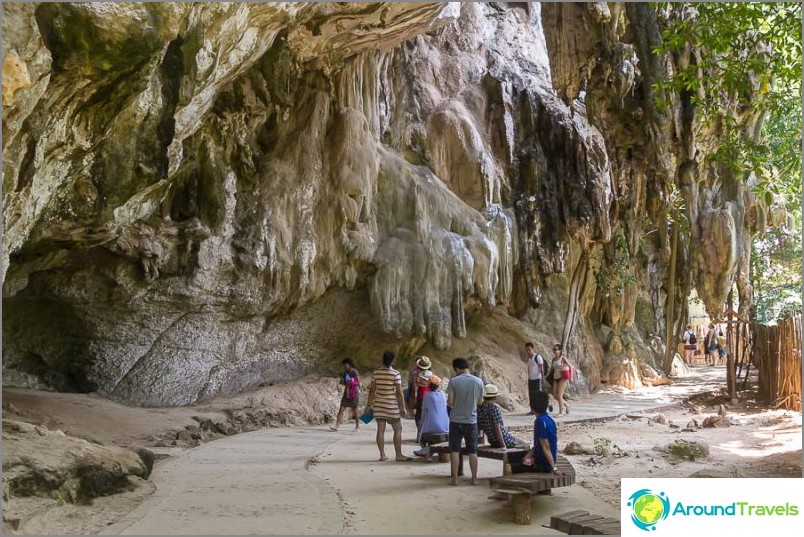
(535, 372)
(412, 376)
(388, 403)
(490, 421)
(350, 379)
(690, 344)
(710, 345)
(464, 393)
(434, 418)
(420, 386)
(560, 362)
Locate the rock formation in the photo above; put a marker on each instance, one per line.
(200, 197)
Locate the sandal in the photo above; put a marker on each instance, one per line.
(404, 459)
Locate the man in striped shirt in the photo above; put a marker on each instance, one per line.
(388, 403)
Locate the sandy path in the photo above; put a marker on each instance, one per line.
(415, 498)
(253, 483)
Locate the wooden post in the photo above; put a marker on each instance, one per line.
(521, 503)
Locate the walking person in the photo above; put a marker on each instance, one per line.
(559, 365)
(464, 394)
(690, 344)
(350, 379)
(536, 372)
(388, 403)
(710, 345)
(721, 348)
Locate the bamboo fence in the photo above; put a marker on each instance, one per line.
(777, 355)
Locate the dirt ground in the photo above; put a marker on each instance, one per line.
(755, 443)
(749, 442)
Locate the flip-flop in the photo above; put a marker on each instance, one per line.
(333, 429)
(404, 459)
(383, 459)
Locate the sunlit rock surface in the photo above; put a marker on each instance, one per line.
(185, 184)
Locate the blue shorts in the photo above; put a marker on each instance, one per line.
(463, 431)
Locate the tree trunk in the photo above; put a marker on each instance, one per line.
(576, 286)
(731, 377)
(670, 339)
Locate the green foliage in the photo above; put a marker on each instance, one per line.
(739, 65)
(776, 271)
(687, 450)
(604, 447)
(614, 276)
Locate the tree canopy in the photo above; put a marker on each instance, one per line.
(740, 65)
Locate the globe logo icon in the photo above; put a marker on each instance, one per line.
(648, 508)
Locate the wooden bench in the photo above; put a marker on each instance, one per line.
(521, 487)
(486, 452)
(584, 523)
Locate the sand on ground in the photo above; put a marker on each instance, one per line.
(415, 498)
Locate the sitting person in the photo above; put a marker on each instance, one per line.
(490, 422)
(434, 419)
(542, 456)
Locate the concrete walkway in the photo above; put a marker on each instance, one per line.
(259, 482)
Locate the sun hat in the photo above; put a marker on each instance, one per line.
(423, 363)
(491, 391)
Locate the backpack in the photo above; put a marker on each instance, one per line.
(692, 340)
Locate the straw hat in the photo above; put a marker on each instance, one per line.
(491, 391)
(423, 363)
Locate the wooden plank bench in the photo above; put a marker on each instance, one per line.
(486, 452)
(584, 523)
(521, 487)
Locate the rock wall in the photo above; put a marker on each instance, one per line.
(184, 185)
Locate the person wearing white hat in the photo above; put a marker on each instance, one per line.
(420, 386)
(490, 421)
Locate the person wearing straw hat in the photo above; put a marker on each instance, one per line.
(490, 421)
(420, 386)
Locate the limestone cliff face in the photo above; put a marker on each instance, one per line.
(193, 193)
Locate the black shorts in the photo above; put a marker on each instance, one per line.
(463, 431)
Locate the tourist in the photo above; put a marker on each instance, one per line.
(560, 363)
(350, 379)
(690, 344)
(388, 403)
(412, 376)
(434, 425)
(710, 345)
(542, 456)
(535, 371)
(721, 348)
(420, 386)
(464, 393)
(490, 421)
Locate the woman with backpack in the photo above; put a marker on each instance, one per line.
(690, 344)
